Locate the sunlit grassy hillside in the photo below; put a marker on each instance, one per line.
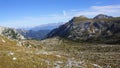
(57, 53)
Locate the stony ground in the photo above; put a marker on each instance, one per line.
(57, 53)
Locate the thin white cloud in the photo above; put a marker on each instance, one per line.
(64, 13)
(94, 10)
(35, 21)
(106, 7)
(98, 2)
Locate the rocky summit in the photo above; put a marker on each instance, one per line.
(101, 28)
(102, 16)
(10, 33)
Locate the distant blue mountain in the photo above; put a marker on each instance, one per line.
(38, 32)
(47, 26)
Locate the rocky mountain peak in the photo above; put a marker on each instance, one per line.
(78, 19)
(102, 16)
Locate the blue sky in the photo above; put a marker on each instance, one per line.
(29, 13)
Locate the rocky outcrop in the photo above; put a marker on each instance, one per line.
(10, 33)
(101, 28)
(102, 16)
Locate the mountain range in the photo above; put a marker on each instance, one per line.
(38, 32)
(101, 28)
(31, 34)
(49, 26)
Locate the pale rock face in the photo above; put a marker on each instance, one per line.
(11, 53)
(97, 66)
(14, 58)
(101, 16)
(3, 41)
(1, 29)
(10, 33)
(19, 43)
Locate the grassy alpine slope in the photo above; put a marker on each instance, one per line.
(57, 53)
